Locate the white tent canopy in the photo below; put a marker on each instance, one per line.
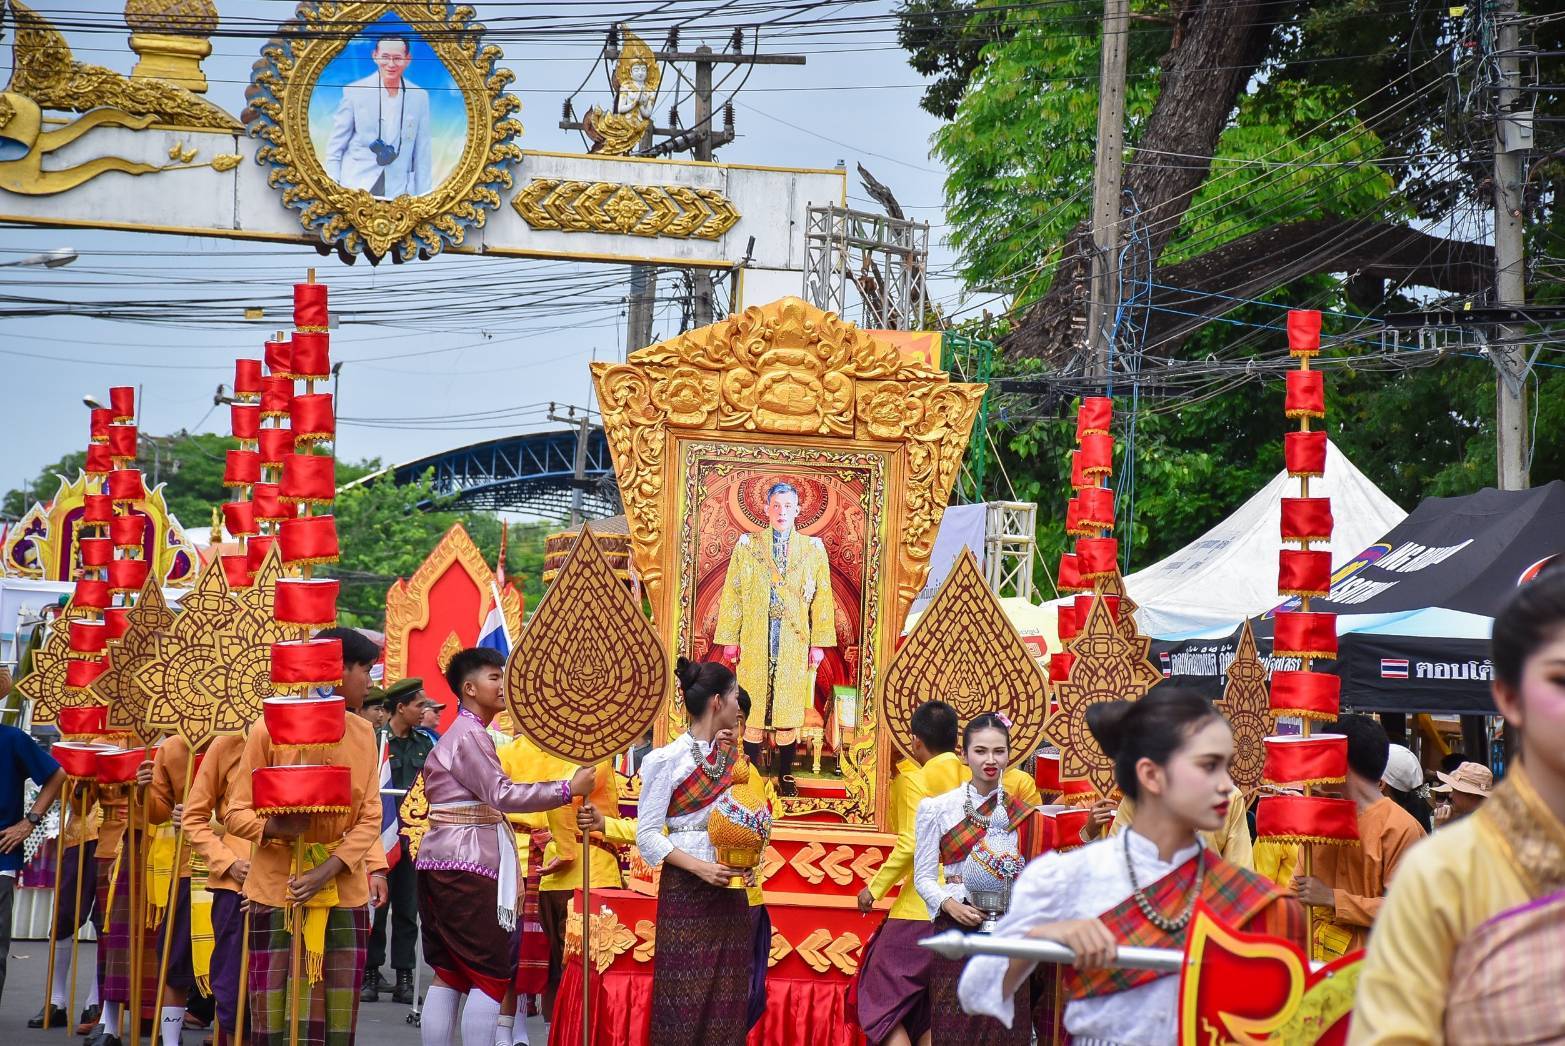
(1230, 572)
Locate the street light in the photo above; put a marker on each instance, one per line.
(48, 259)
(92, 402)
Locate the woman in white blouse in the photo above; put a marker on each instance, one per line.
(1171, 753)
(973, 832)
(701, 979)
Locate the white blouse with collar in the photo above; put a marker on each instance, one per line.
(1083, 884)
(662, 771)
(937, 815)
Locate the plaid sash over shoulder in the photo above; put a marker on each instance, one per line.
(1022, 819)
(699, 789)
(1239, 897)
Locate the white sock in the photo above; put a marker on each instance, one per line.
(110, 1018)
(478, 1019)
(519, 1034)
(503, 1026)
(437, 1019)
(92, 987)
(62, 972)
(172, 1024)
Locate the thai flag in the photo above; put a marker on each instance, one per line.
(1393, 668)
(1167, 664)
(492, 632)
(390, 810)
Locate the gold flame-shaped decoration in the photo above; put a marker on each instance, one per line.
(117, 686)
(965, 651)
(1108, 667)
(589, 674)
(1247, 705)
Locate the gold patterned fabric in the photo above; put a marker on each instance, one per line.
(796, 595)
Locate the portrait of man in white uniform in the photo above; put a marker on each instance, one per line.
(380, 132)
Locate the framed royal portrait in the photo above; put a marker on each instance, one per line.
(386, 124)
(783, 475)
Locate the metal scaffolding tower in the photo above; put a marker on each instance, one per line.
(868, 268)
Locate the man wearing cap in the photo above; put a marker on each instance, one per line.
(429, 720)
(1464, 790)
(374, 708)
(406, 747)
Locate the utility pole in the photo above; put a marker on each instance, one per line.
(1104, 289)
(701, 279)
(579, 483)
(1512, 139)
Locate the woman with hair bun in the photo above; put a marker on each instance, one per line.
(1171, 753)
(974, 832)
(704, 942)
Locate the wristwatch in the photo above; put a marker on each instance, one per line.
(33, 819)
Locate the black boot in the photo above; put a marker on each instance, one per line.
(402, 994)
(58, 1018)
(374, 984)
(786, 784)
(752, 752)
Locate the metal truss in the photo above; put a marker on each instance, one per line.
(868, 268)
(532, 474)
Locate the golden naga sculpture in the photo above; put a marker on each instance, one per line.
(48, 73)
(636, 80)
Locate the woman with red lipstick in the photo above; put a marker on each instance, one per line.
(1171, 752)
(975, 831)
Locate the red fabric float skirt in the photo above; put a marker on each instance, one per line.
(463, 941)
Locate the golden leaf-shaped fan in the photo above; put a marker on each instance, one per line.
(414, 813)
(117, 686)
(45, 684)
(965, 651)
(1247, 705)
(1106, 668)
(253, 629)
(589, 674)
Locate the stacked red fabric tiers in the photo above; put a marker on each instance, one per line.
(1309, 761)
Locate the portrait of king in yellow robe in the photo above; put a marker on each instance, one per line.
(776, 617)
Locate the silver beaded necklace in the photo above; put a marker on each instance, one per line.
(716, 767)
(1155, 917)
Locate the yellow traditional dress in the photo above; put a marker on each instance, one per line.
(776, 604)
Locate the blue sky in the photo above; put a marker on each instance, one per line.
(466, 347)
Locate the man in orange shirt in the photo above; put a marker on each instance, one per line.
(165, 778)
(227, 859)
(354, 869)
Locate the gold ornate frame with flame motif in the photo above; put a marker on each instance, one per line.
(788, 375)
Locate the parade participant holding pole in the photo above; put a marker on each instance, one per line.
(1171, 753)
(75, 906)
(166, 779)
(345, 882)
(20, 758)
(468, 882)
(974, 823)
(114, 801)
(893, 986)
(227, 859)
(1470, 942)
(701, 992)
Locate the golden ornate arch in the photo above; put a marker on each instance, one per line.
(777, 380)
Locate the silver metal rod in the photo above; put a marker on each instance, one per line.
(954, 944)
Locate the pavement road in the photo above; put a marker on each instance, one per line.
(382, 1023)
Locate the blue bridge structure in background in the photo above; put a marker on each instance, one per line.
(532, 474)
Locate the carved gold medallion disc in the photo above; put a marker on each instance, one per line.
(1247, 705)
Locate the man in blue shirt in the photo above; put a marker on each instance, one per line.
(20, 758)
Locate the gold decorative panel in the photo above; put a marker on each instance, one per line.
(675, 212)
(588, 675)
(117, 686)
(45, 686)
(965, 651)
(1247, 704)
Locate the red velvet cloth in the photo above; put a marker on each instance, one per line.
(1303, 331)
(1084, 607)
(256, 549)
(275, 446)
(237, 570)
(98, 462)
(245, 420)
(91, 593)
(122, 443)
(799, 1011)
(1307, 818)
(1306, 395)
(1097, 508)
(1066, 623)
(1306, 519)
(313, 418)
(309, 479)
(122, 401)
(1094, 416)
(116, 620)
(269, 507)
(79, 721)
(1303, 572)
(1300, 634)
(247, 378)
(98, 427)
(1079, 478)
(1046, 771)
(81, 673)
(128, 531)
(309, 539)
(88, 637)
(312, 355)
(304, 722)
(96, 552)
(119, 765)
(1063, 828)
(97, 508)
(1069, 578)
(1320, 759)
(78, 759)
(307, 602)
(1073, 524)
(276, 396)
(1097, 557)
(239, 518)
(304, 664)
(125, 486)
(1060, 667)
(279, 359)
(1097, 455)
(128, 575)
(1304, 453)
(1310, 695)
(309, 306)
(301, 789)
(242, 468)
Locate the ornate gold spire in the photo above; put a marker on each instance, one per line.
(171, 38)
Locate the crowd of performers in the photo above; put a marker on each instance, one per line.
(1462, 929)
